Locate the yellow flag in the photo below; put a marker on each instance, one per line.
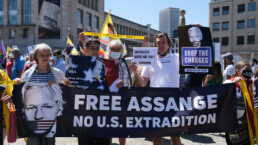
(9, 49)
(70, 43)
(108, 28)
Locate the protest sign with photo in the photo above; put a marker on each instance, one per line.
(49, 19)
(87, 72)
(62, 111)
(195, 50)
(145, 56)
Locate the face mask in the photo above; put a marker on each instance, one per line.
(54, 58)
(247, 73)
(115, 55)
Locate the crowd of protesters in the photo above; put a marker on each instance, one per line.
(47, 66)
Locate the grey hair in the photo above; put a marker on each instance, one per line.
(52, 90)
(112, 44)
(41, 46)
(197, 29)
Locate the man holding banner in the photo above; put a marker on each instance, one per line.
(164, 73)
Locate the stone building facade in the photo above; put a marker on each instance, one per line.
(233, 24)
(19, 23)
(17, 32)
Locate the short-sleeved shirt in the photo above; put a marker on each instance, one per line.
(164, 73)
(228, 71)
(18, 66)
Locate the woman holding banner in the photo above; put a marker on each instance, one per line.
(42, 72)
(245, 128)
(115, 51)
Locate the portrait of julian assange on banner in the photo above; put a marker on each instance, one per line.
(195, 50)
(49, 19)
(87, 72)
(62, 111)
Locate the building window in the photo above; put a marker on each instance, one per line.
(241, 8)
(26, 18)
(252, 6)
(88, 19)
(79, 16)
(216, 40)
(225, 10)
(224, 41)
(241, 24)
(215, 26)
(96, 22)
(11, 33)
(1, 12)
(87, 3)
(251, 39)
(240, 40)
(91, 3)
(96, 5)
(251, 23)
(225, 25)
(12, 12)
(25, 33)
(215, 11)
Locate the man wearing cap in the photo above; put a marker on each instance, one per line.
(230, 69)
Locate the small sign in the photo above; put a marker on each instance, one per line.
(195, 57)
(145, 56)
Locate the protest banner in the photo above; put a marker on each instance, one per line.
(87, 72)
(2, 90)
(49, 19)
(195, 50)
(145, 56)
(255, 89)
(135, 112)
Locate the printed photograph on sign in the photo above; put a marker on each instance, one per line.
(42, 105)
(49, 19)
(195, 50)
(87, 72)
(145, 56)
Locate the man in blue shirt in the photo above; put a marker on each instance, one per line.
(18, 64)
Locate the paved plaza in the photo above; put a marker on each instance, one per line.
(197, 139)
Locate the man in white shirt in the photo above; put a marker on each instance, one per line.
(164, 73)
(230, 69)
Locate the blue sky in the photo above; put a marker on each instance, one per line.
(147, 11)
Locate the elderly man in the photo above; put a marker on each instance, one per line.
(18, 64)
(164, 74)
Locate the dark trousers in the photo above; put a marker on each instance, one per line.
(40, 141)
(93, 141)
